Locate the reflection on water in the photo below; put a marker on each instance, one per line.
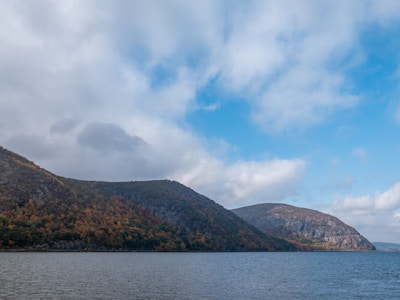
(331, 275)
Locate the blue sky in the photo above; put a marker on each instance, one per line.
(244, 101)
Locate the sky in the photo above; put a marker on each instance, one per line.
(245, 102)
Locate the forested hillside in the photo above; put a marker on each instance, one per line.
(42, 211)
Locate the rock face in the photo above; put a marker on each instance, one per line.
(307, 229)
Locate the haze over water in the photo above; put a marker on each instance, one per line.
(318, 275)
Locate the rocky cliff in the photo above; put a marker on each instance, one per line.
(308, 229)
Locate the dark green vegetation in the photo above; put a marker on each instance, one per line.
(42, 211)
(308, 229)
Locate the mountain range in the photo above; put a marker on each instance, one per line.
(39, 210)
(42, 211)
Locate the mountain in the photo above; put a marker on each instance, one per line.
(307, 229)
(387, 247)
(42, 211)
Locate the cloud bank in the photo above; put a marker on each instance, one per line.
(377, 214)
(101, 89)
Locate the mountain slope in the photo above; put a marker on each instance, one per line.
(307, 229)
(203, 222)
(39, 210)
(21, 180)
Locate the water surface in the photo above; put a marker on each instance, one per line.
(318, 275)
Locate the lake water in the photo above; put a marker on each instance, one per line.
(318, 275)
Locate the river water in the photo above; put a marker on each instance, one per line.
(317, 275)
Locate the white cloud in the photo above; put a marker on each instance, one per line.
(282, 58)
(137, 66)
(389, 199)
(212, 107)
(245, 183)
(299, 99)
(282, 55)
(384, 11)
(374, 215)
(354, 203)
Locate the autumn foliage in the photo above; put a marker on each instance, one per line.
(42, 211)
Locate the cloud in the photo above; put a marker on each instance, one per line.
(81, 79)
(212, 107)
(245, 183)
(63, 125)
(376, 214)
(108, 137)
(281, 56)
(389, 199)
(384, 201)
(282, 60)
(355, 203)
(39, 147)
(300, 99)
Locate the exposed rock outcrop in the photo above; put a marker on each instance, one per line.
(308, 229)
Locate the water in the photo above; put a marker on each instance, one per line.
(331, 275)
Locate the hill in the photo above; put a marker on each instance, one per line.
(307, 229)
(387, 247)
(39, 210)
